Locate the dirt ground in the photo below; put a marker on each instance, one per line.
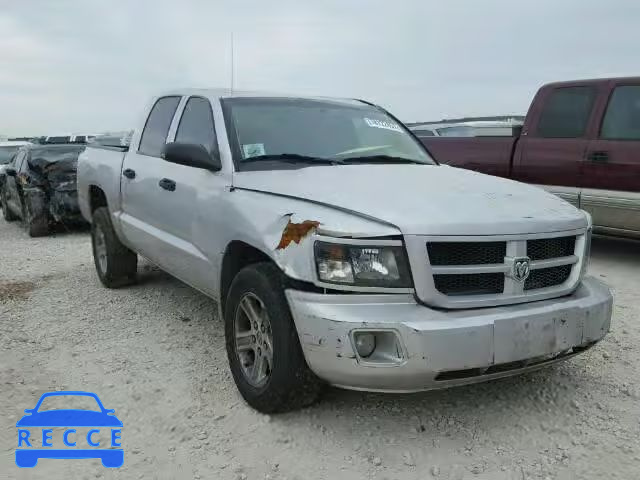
(155, 353)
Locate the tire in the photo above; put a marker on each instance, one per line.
(290, 384)
(7, 214)
(116, 265)
(35, 226)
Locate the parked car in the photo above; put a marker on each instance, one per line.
(339, 252)
(580, 140)
(494, 128)
(7, 151)
(39, 187)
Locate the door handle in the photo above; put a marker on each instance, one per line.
(127, 172)
(167, 184)
(598, 157)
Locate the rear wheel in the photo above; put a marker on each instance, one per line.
(263, 348)
(116, 265)
(7, 214)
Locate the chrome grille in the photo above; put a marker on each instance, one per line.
(469, 269)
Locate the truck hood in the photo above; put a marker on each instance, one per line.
(423, 199)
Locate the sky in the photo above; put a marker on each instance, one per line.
(85, 66)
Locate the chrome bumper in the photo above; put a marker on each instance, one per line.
(441, 348)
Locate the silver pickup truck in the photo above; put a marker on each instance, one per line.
(338, 250)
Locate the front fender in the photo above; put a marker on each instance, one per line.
(285, 228)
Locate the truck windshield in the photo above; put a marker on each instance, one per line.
(322, 129)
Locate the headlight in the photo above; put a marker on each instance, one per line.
(363, 266)
(587, 245)
(587, 252)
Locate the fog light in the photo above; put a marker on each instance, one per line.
(365, 344)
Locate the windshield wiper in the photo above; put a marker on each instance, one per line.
(293, 158)
(380, 159)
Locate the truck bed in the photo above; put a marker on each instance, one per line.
(100, 166)
(491, 155)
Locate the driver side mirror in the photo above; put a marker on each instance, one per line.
(191, 155)
(10, 172)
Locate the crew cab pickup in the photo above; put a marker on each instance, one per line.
(338, 250)
(580, 140)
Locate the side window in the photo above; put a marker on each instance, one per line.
(622, 118)
(566, 112)
(196, 125)
(154, 135)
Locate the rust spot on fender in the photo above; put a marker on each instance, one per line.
(295, 232)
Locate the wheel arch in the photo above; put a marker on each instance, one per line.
(237, 256)
(97, 198)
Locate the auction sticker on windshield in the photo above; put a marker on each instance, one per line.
(253, 150)
(54, 429)
(382, 124)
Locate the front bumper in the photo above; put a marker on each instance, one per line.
(441, 348)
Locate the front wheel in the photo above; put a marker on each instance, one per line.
(263, 349)
(7, 214)
(116, 265)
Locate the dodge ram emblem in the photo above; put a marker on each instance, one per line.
(521, 268)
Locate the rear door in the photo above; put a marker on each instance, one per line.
(551, 150)
(611, 178)
(139, 182)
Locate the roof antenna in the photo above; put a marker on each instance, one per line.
(232, 63)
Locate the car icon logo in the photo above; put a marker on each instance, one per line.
(35, 430)
(521, 268)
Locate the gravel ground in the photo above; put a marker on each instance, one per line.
(155, 352)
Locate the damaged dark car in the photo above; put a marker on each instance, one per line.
(38, 187)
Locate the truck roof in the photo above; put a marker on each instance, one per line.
(592, 81)
(227, 93)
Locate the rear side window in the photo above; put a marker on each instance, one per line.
(196, 124)
(566, 112)
(622, 119)
(154, 135)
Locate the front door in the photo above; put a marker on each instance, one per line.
(611, 178)
(552, 153)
